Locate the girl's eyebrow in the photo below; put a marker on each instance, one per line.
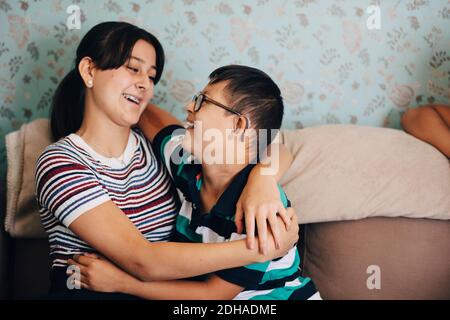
(142, 61)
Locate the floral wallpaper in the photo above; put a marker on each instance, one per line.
(336, 61)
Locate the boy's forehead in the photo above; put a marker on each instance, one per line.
(216, 90)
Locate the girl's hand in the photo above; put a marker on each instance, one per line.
(260, 204)
(99, 274)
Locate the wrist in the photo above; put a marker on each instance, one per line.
(128, 284)
(255, 254)
(258, 172)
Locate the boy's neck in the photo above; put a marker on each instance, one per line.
(217, 177)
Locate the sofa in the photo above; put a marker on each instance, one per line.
(373, 206)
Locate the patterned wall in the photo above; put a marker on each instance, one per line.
(331, 66)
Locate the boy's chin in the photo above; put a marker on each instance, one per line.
(187, 144)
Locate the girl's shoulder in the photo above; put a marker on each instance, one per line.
(62, 152)
(64, 146)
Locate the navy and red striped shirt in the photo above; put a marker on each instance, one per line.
(71, 178)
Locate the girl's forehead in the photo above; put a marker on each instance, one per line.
(144, 52)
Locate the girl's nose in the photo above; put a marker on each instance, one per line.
(144, 83)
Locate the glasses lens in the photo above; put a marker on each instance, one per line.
(198, 102)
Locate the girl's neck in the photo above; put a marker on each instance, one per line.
(104, 136)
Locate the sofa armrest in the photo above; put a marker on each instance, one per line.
(379, 258)
(5, 251)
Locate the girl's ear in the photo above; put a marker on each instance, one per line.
(86, 69)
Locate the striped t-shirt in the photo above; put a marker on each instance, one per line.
(278, 279)
(71, 178)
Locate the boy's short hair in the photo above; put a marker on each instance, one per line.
(253, 93)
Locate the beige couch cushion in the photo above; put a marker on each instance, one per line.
(347, 172)
(340, 172)
(23, 147)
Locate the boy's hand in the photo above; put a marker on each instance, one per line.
(288, 238)
(260, 205)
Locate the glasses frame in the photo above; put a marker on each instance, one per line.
(200, 97)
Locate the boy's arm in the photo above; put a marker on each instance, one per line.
(259, 202)
(153, 119)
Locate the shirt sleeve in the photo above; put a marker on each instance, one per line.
(250, 276)
(66, 187)
(247, 277)
(167, 144)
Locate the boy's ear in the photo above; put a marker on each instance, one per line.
(241, 124)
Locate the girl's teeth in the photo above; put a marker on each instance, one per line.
(131, 98)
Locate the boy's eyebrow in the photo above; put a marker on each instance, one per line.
(142, 61)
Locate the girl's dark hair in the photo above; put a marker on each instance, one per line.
(109, 45)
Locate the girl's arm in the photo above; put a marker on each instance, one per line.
(107, 229)
(153, 119)
(100, 275)
(212, 289)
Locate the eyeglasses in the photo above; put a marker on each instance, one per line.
(200, 97)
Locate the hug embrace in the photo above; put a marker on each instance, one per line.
(133, 205)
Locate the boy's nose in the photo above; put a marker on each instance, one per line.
(190, 107)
